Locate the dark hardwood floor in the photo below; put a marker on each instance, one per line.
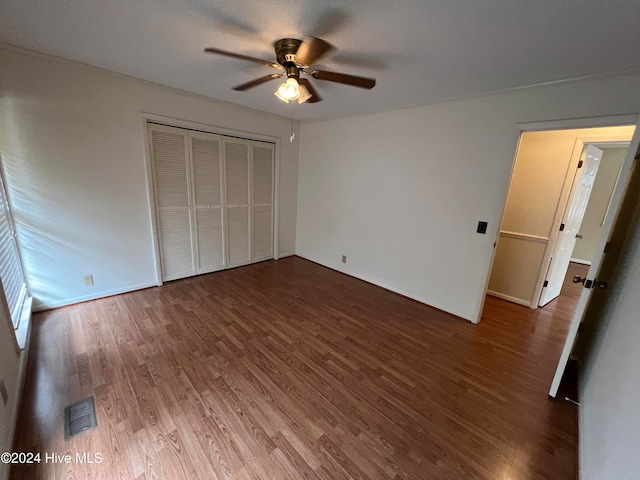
(288, 370)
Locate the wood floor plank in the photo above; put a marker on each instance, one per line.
(288, 370)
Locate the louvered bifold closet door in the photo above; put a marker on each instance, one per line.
(171, 173)
(206, 155)
(262, 205)
(236, 166)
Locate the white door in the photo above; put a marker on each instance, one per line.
(171, 174)
(262, 200)
(236, 166)
(574, 213)
(602, 262)
(206, 156)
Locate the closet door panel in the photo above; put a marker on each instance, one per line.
(210, 240)
(206, 153)
(262, 200)
(171, 172)
(262, 232)
(176, 248)
(236, 165)
(238, 238)
(237, 172)
(170, 167)
(206, 170)
(262, 175)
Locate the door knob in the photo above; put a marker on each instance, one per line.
(579, 279)
(579, 235)
(600, 284)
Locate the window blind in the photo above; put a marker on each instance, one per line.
(11, 273)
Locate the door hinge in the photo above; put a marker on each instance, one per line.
(580, 163)
(545, 284)
(606, 247)
(562, 227)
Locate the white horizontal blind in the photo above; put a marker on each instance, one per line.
(262, 205)
(11, 273)
(170, 158)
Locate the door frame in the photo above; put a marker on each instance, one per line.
(146, 118)
(620, 192)
(563, 203)
(536, 126)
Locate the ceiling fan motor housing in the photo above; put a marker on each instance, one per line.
(286, 49)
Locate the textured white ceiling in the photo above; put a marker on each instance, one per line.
(420, 51)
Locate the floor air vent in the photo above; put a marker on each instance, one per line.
(79, 417)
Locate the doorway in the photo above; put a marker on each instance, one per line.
(533, 254)
(568, 309)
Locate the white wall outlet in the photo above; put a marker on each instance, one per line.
(344, 259)
(87, 280)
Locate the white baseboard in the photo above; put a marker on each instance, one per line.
(583, 262)
(377, 283)
(39, 306)
(288, 254)
(509, 298)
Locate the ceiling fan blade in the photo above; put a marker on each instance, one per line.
(256, 82)
(243, 57)
(311, 50)
(352, 80)
(312, 91)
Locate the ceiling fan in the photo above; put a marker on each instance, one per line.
(294, 57)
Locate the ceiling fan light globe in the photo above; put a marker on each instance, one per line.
(304, 94)
(289, 90)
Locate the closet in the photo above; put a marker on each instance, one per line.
(213, 199)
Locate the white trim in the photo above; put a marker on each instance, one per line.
(276, 199)
(22, 332)
(587, 122)
(148, 171)
(23, 355)
(482, 294)
(284, 255)
(377, 283)
(605, 145)
(95, 296)
(524, 236)
(509, 298)
(582, 262)
(203, 127)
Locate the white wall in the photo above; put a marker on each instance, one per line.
(591, 228)
(610, 382)
(72, 140)
(401, 192)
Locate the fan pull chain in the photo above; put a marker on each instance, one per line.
(293, 134)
